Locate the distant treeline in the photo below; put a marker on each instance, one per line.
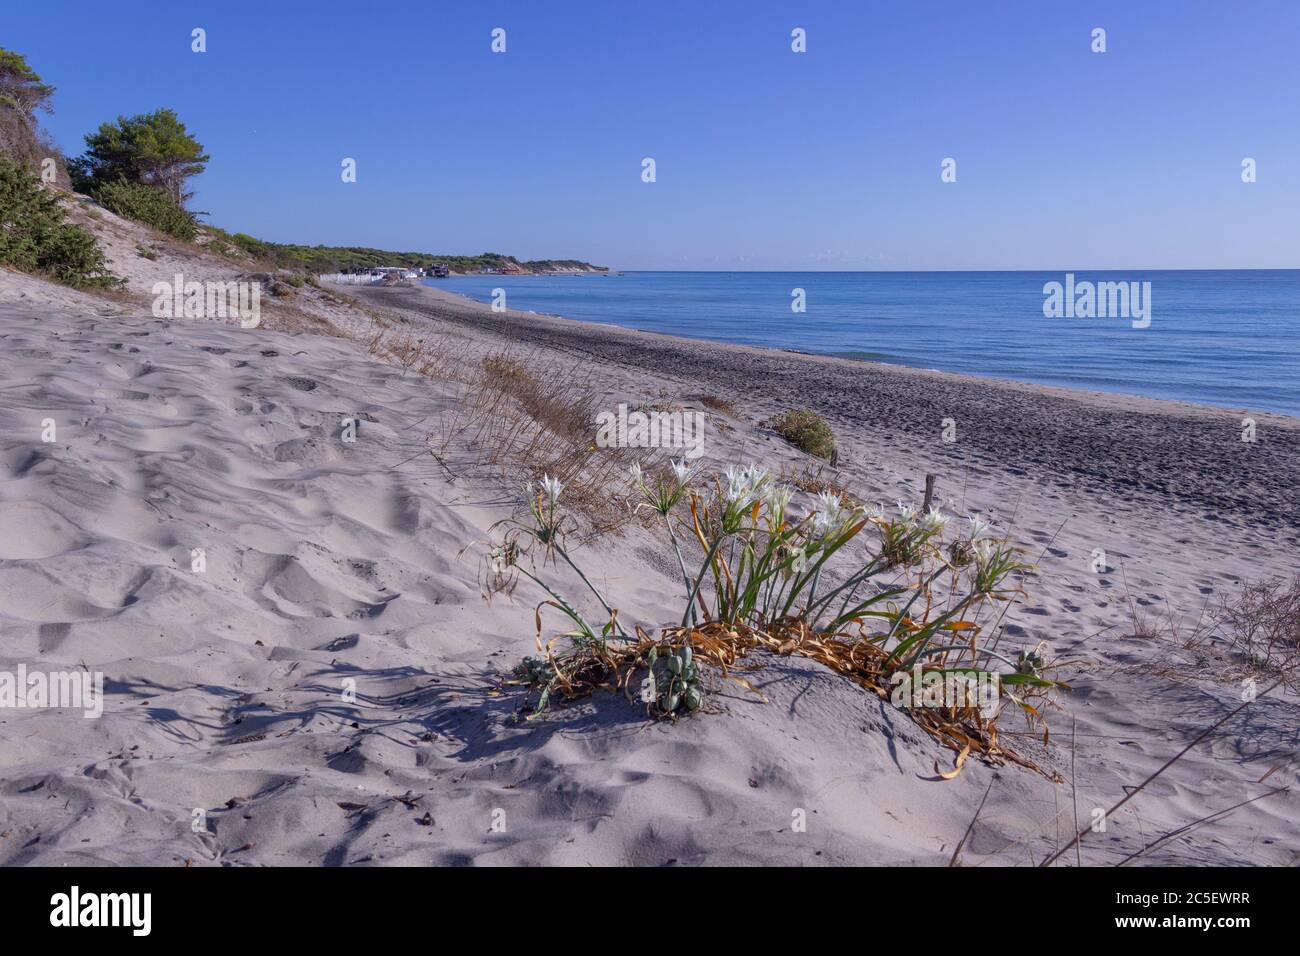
(322, 259)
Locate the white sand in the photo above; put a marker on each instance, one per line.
(327, 561)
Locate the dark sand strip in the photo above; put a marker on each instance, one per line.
(1190, 457)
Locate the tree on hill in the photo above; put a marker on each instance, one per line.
(152, 149)
(20, 88)
(22, 93)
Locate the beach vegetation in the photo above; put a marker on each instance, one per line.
(299, 279)
(718, 403)
(139, 167)
(517, 417)
(805, 430)
(509, 372)
(868, 594)
(148, 205)
(565, 415)
(1262, 625)
(818, 478)
(1253, 632)
(36, 237)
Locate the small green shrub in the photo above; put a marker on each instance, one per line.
(144, 252)
(253, 247)
(35, 235)
(71, 255)
(299, 279)
(147, 205)
(807, 430)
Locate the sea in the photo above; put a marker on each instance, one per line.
(1228, 338)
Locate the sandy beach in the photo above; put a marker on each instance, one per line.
(332, 565)
(591, 440)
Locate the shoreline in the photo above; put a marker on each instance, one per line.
(1191, 457)
(1066, 391)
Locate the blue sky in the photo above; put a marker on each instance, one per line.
(766, 159)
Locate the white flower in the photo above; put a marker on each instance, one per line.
(799, 561)
(977, 526)
(777, 498)
(983, 552)
(682, 472)
(743, 483)
(551, 488)
(934, 521)
(735, 483)
(906, 512)
(638, 478)
(828, 514)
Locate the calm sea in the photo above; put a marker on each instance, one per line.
(1227, 338)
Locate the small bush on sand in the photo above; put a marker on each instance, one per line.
(299, 279)
(148, 205)
(806, 430)
(904, 621)
(71, 255)
(35, 235)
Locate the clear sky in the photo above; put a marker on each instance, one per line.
(766, 159)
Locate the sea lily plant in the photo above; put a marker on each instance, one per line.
(868, 593)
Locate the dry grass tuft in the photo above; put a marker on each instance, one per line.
(512, 417)
(415, 352)
(1255, 632)
(717, 403)
(1262, 625)
(817, 479)
(508, 371)
(519, 417)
